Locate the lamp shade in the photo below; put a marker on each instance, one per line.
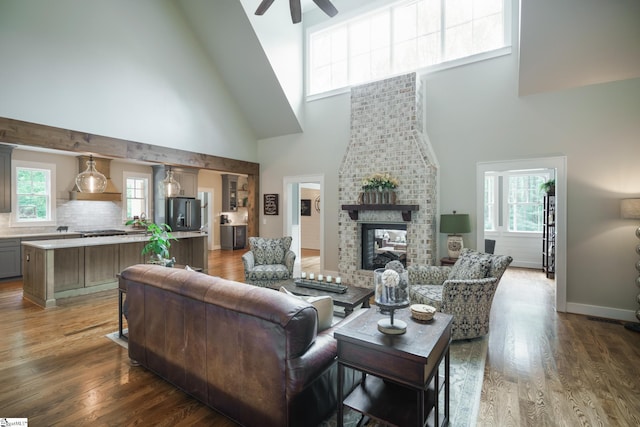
(455, 223)
(630, 208)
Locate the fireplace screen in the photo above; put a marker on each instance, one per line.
(382, 243)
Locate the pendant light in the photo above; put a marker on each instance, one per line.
(91, 181)
(171, 186)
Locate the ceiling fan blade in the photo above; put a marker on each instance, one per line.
(262, 8)
(326, 7)
(296, 11)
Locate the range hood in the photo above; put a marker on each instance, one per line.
(111, 193)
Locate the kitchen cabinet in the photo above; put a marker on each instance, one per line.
(5, 178)
(229, 193)
(10, 258)
(188, 179)
(64, 268)
(233, 236)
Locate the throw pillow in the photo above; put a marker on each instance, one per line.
(471, 265)
(323, 304)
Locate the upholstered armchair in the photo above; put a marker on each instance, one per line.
(268, 261)
(464, 290)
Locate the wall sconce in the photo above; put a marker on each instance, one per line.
(170, 185)
(454, 224)
(630, 209)
(91, 181)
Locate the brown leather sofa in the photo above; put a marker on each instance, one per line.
(250, 353)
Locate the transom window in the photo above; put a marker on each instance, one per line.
(405, 36)
(515, 196)
(34, 190)
(136, 195)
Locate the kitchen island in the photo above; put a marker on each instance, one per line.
(63, 268)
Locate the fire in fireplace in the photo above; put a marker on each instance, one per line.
(382, 243)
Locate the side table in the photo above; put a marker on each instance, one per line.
(448, 261)
(403, 384)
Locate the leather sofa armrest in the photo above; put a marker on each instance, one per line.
(304, 369)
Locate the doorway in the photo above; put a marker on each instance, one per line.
(206, 204)
(304, 221)
(559, 165)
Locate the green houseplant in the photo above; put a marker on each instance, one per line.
(159, 242)
(549, 187)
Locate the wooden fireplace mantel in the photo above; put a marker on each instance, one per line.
(405, 209)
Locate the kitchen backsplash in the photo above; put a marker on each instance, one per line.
(77, 215)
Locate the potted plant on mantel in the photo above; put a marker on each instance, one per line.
(379, 189)
(158, 244)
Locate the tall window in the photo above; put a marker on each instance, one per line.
(34, 190)
(514, 201)
(136, 195)
(400, 38)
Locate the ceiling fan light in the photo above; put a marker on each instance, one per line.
(91, 181)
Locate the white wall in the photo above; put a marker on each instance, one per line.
(130, 70)
(474, 114)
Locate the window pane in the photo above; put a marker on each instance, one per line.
(405, 36)
(485, 34)
(458, 12)
(32, 194)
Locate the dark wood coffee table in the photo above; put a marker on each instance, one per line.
(348, 300)
(404, 381)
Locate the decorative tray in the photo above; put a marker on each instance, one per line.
(322, 286)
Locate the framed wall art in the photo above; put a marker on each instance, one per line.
(271, 204)
(305, 207)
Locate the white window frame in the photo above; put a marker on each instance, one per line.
(148, 193)
(501, 202)
(51, 205)
(375, 7)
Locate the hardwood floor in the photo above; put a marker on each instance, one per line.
(543, 368)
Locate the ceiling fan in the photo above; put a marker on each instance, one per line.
(296, 9)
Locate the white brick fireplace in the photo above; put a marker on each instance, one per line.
(387, 135)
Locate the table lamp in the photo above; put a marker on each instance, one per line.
(630, 209)
(455, 224)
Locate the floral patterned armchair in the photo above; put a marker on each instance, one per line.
(268, 261)
(464, 290)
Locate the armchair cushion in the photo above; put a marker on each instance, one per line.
(268, 251)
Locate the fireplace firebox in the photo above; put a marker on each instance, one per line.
(382, 243)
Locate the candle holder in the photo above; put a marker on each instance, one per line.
(390, 297)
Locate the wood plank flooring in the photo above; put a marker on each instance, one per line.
(543, 368)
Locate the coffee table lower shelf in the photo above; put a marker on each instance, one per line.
(391, 403)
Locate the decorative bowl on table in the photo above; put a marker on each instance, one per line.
(422, 312)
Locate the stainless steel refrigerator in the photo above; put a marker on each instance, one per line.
(184, 213)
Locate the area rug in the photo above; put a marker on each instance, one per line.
(466, 372)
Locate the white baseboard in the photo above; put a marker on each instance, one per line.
(598, 311)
